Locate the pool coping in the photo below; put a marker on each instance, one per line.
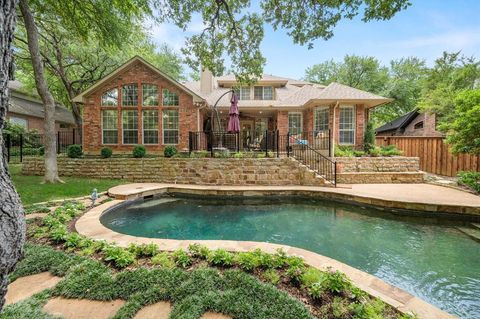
(89, 225)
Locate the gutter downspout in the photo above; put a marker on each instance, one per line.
(332, 151)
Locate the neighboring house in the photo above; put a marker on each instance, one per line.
(413, 123)
(28, 111)
(139, 104)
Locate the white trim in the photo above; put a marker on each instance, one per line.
(178, 129)
(354, 108)
(127, 110)
(143, 127)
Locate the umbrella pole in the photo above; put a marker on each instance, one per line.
(215, 112)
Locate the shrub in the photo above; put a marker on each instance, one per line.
(369, 137)
(106, 152)
(182, 258)
(58, 233)
(199, 251)
(72, 240)
(247, 261)
(332, 281)
(344, 151)
(199, 154)
(272, 276)
(220, 257)
(163, 260)
(310, 276)
(470, 179)
(239, 155)
(390, 150)
(41, 150)
(170, 151)
(74, 151)
(139, 151)
(143, 250)
(119, 256)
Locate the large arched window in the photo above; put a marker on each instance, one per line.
(150, 94)
(170, 98)
(110, 97)
(130, 95)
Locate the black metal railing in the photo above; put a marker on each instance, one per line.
(303, 152)
(19, 146)
(265, 141)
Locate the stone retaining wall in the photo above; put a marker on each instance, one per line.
(204, 171)
(380, 178)
(378, 164)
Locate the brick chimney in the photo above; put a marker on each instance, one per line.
(206, 81)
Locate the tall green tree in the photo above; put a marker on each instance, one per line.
(451, 74)
(464, 129)
(111, 21)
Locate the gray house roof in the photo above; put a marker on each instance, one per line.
(23, 104)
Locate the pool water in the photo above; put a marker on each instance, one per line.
(427, 257)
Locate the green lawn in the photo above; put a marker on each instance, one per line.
(32, 191)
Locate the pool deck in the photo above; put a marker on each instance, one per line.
(415, 197)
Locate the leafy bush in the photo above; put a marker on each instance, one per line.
(58, 233)
(199, 251)
(220, 257)
(369, 137)
(163, 260)
(170, 151)
(470, 179)
(41, 150)
(74, 151)
(272, 276)
(106, 152)
(390, 150)
(344, 151)
(182, 258)
(247, 261)
(239, 155)
(199, 154)
(139, 151)
(332, 281)
(119, 256)
(72, 240)
(310, 276)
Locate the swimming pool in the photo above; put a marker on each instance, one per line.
(427, 257)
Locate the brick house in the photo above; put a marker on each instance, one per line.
(139, 104)
(28, 111)
(414, 123)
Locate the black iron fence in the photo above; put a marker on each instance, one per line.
(313, 158)
(19, 146)
(221, 142)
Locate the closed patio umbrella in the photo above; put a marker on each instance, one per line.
(234, 120)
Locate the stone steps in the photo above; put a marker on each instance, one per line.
(473, 233)
(476, 225)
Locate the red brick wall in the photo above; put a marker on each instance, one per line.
(282, 122)
(136, 73)
(33, 123)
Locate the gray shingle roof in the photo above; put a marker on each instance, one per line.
(23, 104)
(398, 123)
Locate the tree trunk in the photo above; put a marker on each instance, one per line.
(12, 221)
(51, 170)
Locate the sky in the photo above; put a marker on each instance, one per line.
(425, 29)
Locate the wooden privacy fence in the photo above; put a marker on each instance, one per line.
(435, 155)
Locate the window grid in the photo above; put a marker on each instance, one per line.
(347, 125)
(150, 127)
(170, 126)
(295, 123)
(321, 119)
(243, 92)
(170, 98)
(109, 127)
(130, 95)
(263, 92)
(149, 95)
(130, 126)
(110, 97)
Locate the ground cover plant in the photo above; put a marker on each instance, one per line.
(251, 284)
(470, 179)
(373, 151)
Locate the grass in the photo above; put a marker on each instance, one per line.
(32, 190)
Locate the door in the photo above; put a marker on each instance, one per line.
(246, 127)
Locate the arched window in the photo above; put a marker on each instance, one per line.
(170, 98)
(110, 97)
(150, 94)
(130, 95)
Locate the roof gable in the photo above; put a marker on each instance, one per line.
(399, 122)
(135, 59)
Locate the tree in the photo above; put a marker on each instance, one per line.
(12, 222)
(80, 18)
(369, 137)
(404, 86)
(464, 130)
(451, 74)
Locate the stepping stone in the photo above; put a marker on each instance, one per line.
(214, 315)
(82, 308)
(27, 286)
(159, 310)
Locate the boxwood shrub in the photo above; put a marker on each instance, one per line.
(170, 151)
(74, 151)
(139, 151)
(106, 152)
